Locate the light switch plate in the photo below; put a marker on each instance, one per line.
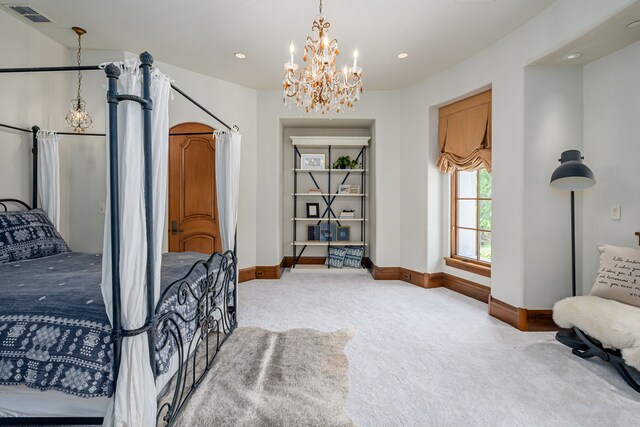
(616, 213)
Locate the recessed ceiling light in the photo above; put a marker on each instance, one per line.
(634, 24)
(572, 56)
(240, 55)
(402, 55)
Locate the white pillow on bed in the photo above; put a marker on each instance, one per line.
(618, 275)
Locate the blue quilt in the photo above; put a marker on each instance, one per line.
(54, 330)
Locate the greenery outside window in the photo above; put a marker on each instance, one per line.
(471, 217)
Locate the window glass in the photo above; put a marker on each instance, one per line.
(467, 243)
(472, 215)
(467, 213)
(467, 184)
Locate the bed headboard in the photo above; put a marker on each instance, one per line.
(5, 203)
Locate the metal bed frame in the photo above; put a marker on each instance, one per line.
(213, 322)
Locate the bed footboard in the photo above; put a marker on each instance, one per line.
(193, 327)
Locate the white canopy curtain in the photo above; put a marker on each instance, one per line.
(49, 174)
(227, 184)
(134, 403)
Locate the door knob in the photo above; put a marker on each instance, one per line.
(174, 228)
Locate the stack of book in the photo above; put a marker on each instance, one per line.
(347, 214)
(315, 191)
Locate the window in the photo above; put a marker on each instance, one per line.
(471, 216)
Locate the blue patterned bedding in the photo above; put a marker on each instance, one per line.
(54, 330)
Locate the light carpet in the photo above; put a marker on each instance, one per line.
(263, 378)
(432, 357)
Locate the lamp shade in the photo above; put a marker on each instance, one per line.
(572, 174)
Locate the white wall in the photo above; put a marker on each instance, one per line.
(502, 66)
(43, 99)
(534, 118)
(87, 171)
(553, 124)
(234, 104)
(381, 106)
(612, 151)
(30, 99)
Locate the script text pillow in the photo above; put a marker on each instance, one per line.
(28, 235)
(618, 275)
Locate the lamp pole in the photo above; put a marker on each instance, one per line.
(572, 175)
(573, 243)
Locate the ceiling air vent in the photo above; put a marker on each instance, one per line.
(29, 13)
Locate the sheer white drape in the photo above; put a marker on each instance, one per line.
(49, 174)
(228, 184)
(134, 403)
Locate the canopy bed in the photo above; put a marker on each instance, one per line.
(123, 337)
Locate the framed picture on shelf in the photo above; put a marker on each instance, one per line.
(313, 232)
(344, 234)
(312, 161)
(354, 189)
(327, 232)
(344, 189)
(313, 210)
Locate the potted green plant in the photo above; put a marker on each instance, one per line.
(345, 162)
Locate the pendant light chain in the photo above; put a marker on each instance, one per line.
(79, 57)
(320, 7)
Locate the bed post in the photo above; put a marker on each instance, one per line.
(236, 273)
(113, 72)
(34, 176)
(146, 60)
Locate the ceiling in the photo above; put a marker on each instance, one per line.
(203, 35)
(610, 36)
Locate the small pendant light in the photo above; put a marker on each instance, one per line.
(78, 118)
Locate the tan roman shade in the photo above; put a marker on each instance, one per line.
(465, 134)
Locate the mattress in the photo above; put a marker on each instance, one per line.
(54, 330)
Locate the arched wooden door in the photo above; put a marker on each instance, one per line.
(193, 209)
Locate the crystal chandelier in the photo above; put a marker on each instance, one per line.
(78, 118)
(320, 87)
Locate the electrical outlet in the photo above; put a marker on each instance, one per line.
(102, 207)
(616, 212)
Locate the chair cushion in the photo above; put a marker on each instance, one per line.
(28, 235)
(618, 275)
(613, 323)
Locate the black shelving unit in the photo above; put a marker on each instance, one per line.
(328, 145)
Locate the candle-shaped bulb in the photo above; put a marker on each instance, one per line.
(355, 60)
(291, 50)
(325, 43)
(345, 71)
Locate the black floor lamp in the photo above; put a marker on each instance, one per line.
(572, 175)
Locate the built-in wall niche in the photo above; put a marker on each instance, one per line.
(329, 195)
